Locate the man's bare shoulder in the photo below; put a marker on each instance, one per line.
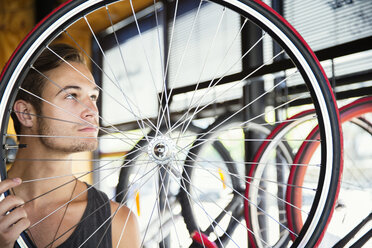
(125, 228)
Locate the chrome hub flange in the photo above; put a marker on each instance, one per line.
(160, 149)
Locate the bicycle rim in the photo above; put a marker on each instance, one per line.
(308, 72)
(349, 117)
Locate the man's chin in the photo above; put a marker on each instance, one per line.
(89, 147)
(84, 147)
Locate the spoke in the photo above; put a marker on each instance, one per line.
(198, 110)
(199, 203)
(64, 213)
(83, 172)
(250, 202)
(122, 202)
(165, 72)
(98, 208)
(98, 87)
(147, 58)
(229, 207)
(202, 70)
(152, 213)
(64, 137)
(149, 124)
(257, 163)
(125, 69)
(352, 170)
(118, 84)
(169, 207)
(248, 121)
(92, 171)
(156, 172)
(256, 140)
(148, 225)
(51, 136)
(218, 68)
(76, 123)
(248, 180)
(179, 176)
(68, 112)
(57, 209)
(157, 200)
(180, 160)
(70, 160)
(45, 117)
(167, 99)
(242, 126)
(211, 84)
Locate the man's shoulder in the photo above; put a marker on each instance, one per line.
(125, 226)
(121, 210)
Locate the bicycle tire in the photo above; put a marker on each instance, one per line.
(293, 45)
(348, 112)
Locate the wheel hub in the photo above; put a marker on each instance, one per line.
(160, 149)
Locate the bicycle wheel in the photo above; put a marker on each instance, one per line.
(351, 115)
(171, 76)
(351, 184)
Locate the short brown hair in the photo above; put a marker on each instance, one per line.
(35, 81)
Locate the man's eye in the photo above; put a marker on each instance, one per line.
(94, 97)
(71, 96)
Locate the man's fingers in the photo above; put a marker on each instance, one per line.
(9, 203)
(16, 229)
(9, 183)
(13, 217)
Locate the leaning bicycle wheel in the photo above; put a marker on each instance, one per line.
(355, 120)
(199, 73)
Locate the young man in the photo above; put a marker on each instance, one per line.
(55, 115)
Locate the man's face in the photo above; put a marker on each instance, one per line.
(71, 111)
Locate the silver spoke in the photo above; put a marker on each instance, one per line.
(147, 58)
(167, 99)
(101, 89)
(149, 124)
(118, 84)
(253, 204)
(57, 209)
(126, 71)
(199, 203)
(248, 121)
(213, 84)
(245, 180)
(121, 204)
(210, 218)
(202, 71)
(111, 199)
(198, 110)
(68, 112)
(247, 125)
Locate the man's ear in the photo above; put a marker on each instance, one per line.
(24, 112)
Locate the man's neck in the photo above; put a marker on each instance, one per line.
(40, 169)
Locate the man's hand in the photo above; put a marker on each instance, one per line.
(13, 223)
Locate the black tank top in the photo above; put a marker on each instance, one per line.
(96, 215)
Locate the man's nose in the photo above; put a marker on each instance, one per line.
(90, 110)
